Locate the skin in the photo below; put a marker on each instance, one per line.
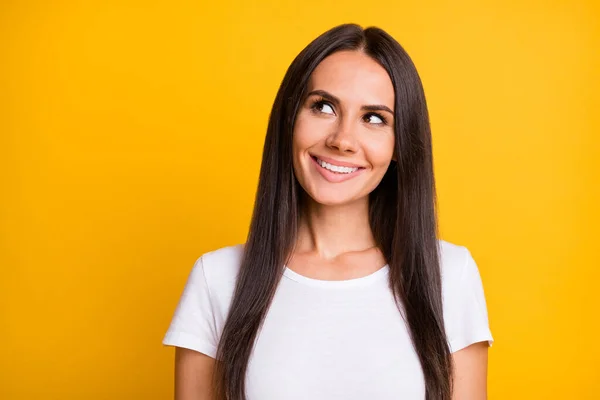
(334, 240)
(193, 372)
(470, 372)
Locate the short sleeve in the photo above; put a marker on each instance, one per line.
(465, 308)
(193, 324)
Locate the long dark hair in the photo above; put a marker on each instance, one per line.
(402, 212)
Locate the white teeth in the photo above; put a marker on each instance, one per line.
(335, 168)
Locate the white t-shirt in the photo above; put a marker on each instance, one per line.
(329, 340)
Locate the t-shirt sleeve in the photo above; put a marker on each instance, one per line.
(193, 325)
(465, 307)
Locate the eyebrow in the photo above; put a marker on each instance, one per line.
(332, 98)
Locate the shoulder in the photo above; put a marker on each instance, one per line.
(453, 261)
(202, 309)
(221, 266)
(463, 298)
(223, 260)
(219, 271)
(460, 276)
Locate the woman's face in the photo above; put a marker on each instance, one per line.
(343, 138)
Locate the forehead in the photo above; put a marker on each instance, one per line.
(353, 76)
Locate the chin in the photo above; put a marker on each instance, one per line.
(333, 199)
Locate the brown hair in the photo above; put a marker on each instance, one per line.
(402, 212)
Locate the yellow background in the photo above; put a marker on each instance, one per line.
(130, 140)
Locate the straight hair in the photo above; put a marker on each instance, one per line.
(402, 215)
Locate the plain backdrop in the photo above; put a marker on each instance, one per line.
(131, 135)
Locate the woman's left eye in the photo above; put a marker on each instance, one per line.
(375, 119)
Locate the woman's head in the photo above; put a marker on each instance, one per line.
(343, 136)
(359, 67)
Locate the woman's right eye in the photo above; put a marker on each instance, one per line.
(322, 107)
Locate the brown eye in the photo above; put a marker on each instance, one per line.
(323, 107)
(375, 119)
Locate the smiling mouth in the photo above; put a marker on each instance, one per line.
(336, 169)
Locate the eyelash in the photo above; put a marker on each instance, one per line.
(318, 102)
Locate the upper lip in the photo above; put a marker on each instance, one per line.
(338, 163)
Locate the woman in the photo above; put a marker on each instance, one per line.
(343, 289)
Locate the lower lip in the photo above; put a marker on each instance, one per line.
(333, 176)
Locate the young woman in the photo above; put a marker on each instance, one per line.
(343, 289)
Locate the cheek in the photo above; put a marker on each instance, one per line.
(303, 138)
(380, 152)
(308, 131)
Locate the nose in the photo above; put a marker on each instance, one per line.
(343, 138)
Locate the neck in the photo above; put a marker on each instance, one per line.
(333, 230)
